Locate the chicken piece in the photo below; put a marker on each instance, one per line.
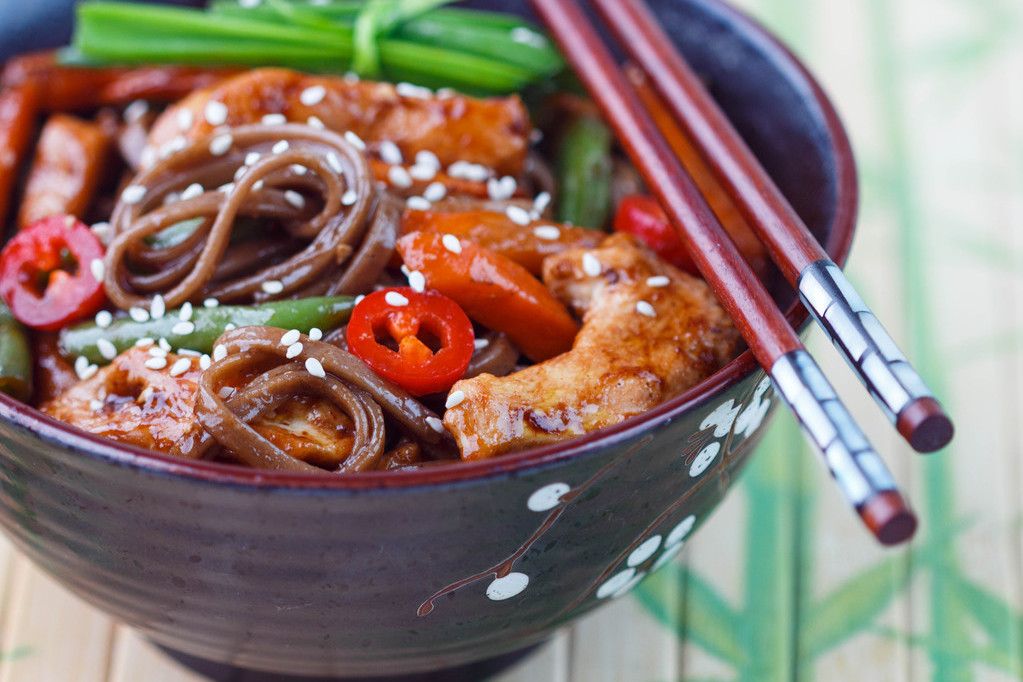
(134, 404)
(492, 132)
(69, 163)
(624, 360)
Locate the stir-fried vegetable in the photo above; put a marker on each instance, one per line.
(412, 320)
(584, 173)
(15, 357)
(643, 218)
(401, 40)
(17, 124)
(204, 326)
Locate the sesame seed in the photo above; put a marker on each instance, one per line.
(240, 172)
(189, 352)
(97, 269)
(81, 362)
(549, 232)
(399, 177)
(138, 314)
(102, 231)
(251, 158)
(355, 141)
(95, 405)
(219, 352)
(106, 349)
(249, 4)
(290, 337)
(133, 194)
(89, 372)
(230, 326)
(395, 299)
(227, 187)
(144, 342)
(414, 91)
(226, 392)
(158, 308)
(349, 197)
(148, 157)
(518, 215)
(182, 328)
(435, 191)
(146, 395)
(171, 198)
(591, 266)
(299, 169)
(294, 350)
(192, 191)
(315, 334)
(104, 319)
(360, 298)
(258, 185)
(272, 287)
(480, 344)
(210, 303)
(335, 163)
(313, 95)
(404, 270)
(185, 314)
(455, 399)
(418, 204)
(422, 173)
(204, 362)
(181, 366)
(427, 158)
(155, 363)
(313, 366)
(294, 198)
(315, 122)
(215, 113)
(435, 424)
(644, 308)
(280, 147)
(157, 352)
(417, 281)
(220, 144)
(501, 189)
(164, 345)
(469, 171)
(185, 118)
(521, 34)
(657, 281)
(134, 112)
(389, 153)
(273, 120)
(541, 202)
(451, 243)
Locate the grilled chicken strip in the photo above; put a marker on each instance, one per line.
(649, 333)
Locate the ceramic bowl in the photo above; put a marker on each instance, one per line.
(395, 573)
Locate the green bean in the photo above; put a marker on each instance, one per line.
(584, 173)
(15, 357)
(207, 324)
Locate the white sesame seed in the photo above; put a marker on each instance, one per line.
(335, 163)
(81, 362)
(290, 337)
(294, 350)
(501, 189)
(315, 334)
(102, 231)
(417, 281)
(106, 349)
(280, 147)
(526, 36)
(272, 287)
(220, 144)
(395, 299)
(435, 191)
(219, 352)
(418, 204)
(644, 308)
(144, 342)
(422, 173)
(104, 319)
(390, 153)
(240, 172)
(399, 177)
(451, 243)
(134, 112)
(414, 91)
(355, 141)
(180, 366)
(157, 352)
(518, 215)
(148, 157)
(455, 399)
(360, 298)
(182, 328)
(313, 366)
(404, 270)
(549, 232)
(204, 362)
(480, 344)
(591, 266)
(313, 95)
(227, 187)
(155, 363)
(446, 93)
(230, 326)
(273, 120)
(658, 281)
(164, 345)
(89, 372)
(133, 194)
(251, 158)
(95, 405)
(349, 197)
(315, 122)
(145, 395)
(138, 314)
(435, 424)
(97, 269)
(192, 191)
(469, 171)
(215, 113)
(427, 158)
(294, 198)
(171, 198)
(541, 202)
(226, 392)
(185, 314)
(189, 352)
(210, 303)
(299, 169)
(158, 308)
(185, 118)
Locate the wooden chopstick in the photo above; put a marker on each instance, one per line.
(824, 290)
(860, 473)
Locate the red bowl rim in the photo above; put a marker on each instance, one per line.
(839, 243)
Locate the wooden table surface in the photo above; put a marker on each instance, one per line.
(782, 583)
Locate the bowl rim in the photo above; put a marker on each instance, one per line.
(839, 242)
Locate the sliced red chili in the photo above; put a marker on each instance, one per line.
(431, 335)
(642, 217)
(46, 273)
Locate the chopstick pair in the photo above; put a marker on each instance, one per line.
(861, 474)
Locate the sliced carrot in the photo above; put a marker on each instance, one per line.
(17, 124)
